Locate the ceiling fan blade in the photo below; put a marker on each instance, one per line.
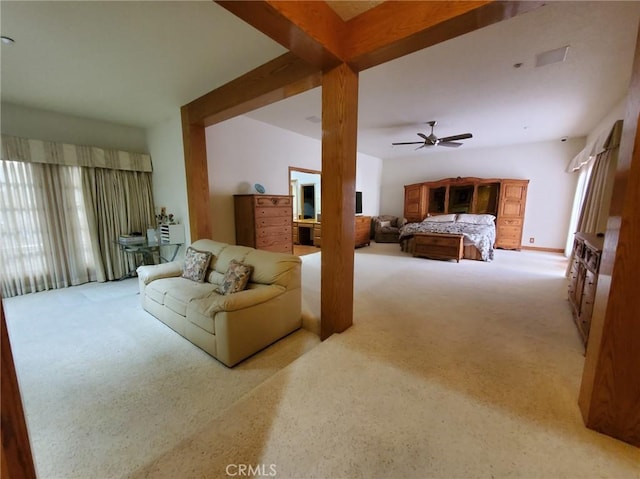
(433, 140)
(463, 136)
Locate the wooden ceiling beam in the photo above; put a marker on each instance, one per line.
(276, 80)
(314, 32)
(311, 30)
(394, 29)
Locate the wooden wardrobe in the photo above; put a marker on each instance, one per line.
(504, 198)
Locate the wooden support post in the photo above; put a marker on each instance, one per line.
(17, 461)
(610, 389)
(195, 165)
(339, 134)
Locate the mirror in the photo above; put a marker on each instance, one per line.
(436, 199)
(460, 198)
(487, 201)
(305, 187)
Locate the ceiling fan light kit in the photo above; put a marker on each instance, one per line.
(433, 140)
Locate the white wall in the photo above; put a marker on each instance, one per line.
(368, 180)
(550, 193)
(243, 151)
(45, 125)
(169, 177)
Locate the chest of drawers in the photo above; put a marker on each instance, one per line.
(264, 222)
(583, 279)
(363, 231)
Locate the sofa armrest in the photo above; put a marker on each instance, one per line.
(243, 299)
(149, 273)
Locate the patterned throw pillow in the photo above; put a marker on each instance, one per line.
(236, 278)
(195, 264)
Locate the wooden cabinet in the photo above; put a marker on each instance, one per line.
(310, 232)
(510, 219)
(264, 222)
(583, 279)
(363, 231)
(503, 198)
(317, 235)
(303, 232)
(415, 202)
(438, 246)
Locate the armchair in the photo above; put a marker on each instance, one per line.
(387, 228)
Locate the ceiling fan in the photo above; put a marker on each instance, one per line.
(433, 140)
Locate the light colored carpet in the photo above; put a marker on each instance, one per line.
(107, 388)
(450, 371)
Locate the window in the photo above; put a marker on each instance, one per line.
(44, 233)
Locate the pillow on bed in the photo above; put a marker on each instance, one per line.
(440, 219)
(476, 219)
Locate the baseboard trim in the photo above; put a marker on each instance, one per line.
(546, 250)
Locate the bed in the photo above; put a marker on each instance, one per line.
(478, 231)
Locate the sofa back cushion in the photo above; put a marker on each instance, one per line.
(209, 245)
(268, 268)
(231, 252)
(222, 253)
(274, 268)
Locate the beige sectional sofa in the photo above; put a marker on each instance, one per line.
(228, 327)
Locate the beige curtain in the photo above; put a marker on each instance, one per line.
(62, 210)
(44, 235)
(53, 153)
(121, 202)
(594, 213)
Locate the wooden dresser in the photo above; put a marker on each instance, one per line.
(264, 222)
(317, 234)
(583, 279)
(363, 231)
(307, 232)
(504, 198)
(314, 235)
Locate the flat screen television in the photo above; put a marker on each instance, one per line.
(358, 202)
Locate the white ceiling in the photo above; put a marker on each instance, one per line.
(132, 62)
(136, 63)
